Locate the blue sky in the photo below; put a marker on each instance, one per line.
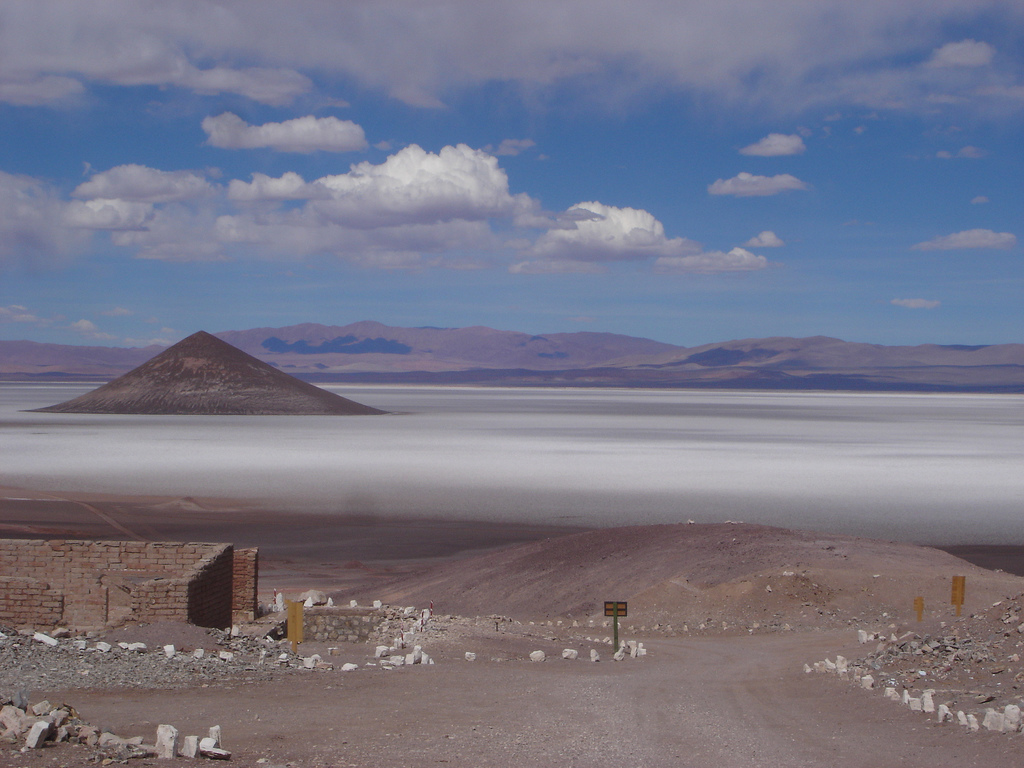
(687, 171)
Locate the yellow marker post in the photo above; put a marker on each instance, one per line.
(959, 588)
(919, 607)
(295, 618)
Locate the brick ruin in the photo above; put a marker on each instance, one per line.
(94, 584)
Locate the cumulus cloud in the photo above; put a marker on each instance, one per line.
(748, 185)
(32, 222)
(139, 183)
(709, 262)
(766, 239)
(289, 186)
(16, 313)
(969, 239)
(775, 145)
(916, 303)
(107, 214)
(979, 200)
(303, 134)
(414, 186)
(606, 233)
(966, 53)
(38, 90)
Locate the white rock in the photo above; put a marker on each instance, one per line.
(862, 636)
(538, 656)
(417, 655)
(890, 693)
(377, 605)
(80, 645)
(426, 660)
(235, 630)
(867, 682)
(169, 651)
(396, 660)
(353, 603)
(943, 714)
(410, 659)
(1011, 718)
(470, 656)
(40, 637)
(138, 647)
(37, 734)
(330, 602)
(307, 603)
(313, 597)
(103, 647)
(807, 669)
(842, 665)
(570, 653)
(208, 748)
(906, 696)
(914, 702)
(927, 702)
(41, 708)
(381, 651)
(311, 661)
(278, 607)
(594, 655)
(190, 746)
(619, 655)
(349, 667)
(640, 650)
(166, 741)
(972, 722)
(226, 656)
(961, 718)
(994, 720)
(198, 653)
(831, 665)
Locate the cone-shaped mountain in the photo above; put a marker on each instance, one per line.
(204, 375)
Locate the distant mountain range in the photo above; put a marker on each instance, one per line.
(372, 352)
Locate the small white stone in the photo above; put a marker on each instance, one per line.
(169, 651)
(972, 722)
(353, 603)
(914, 703)
(226, 656)
(40, 637)
(307, 603)
(867, 682)
(927, 703)
(190, 747)
(349, 667)
(377, 605)
(198, 653)
(310, 661)
(619, 655)
(961, 718)
(594, 655)
(538, 656)
(1011, 717)
(381, 651)
(943, 714)
(80, 645)
(862, 636)
(994, 720)
(470, 656)
(37, 734)
(570, 653)
(890, 693)
(103, 647)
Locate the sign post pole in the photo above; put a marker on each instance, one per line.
(295, 619)
(615, 608)
(959, 587)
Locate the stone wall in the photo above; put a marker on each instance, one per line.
(92, 584)
(353, 625)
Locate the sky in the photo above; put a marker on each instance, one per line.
(687, 171)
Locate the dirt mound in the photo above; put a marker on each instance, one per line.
(204, 375)
(702, 575)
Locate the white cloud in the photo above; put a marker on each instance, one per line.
(606, 233)
(84, 326)
(775, 145)
(766, 239)
(38, 90)
(558, 267)
(414, 186)
(290, 186)
(139, 183)
(916, 303)
(514, 146)
(16, 313)
(31, 222)
(303, 134)
(748, 185)
(966, 53)
(979, 200)
(735, 260)
(102, 213)
(971, 238)
(117, 312)
(964, 152)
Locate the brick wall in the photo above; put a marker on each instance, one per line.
(90, 584)
(245, 578)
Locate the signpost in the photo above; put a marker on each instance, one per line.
(615, 609)
(959, 585)
(295, 624)
(919, 607)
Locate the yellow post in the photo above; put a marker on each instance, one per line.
(959, 589)
(919, 607)
(294, 632)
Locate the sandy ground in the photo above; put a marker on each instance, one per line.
(701, 697)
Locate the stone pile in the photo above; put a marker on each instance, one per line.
(968, 663)
(43, 724)
(57, 661)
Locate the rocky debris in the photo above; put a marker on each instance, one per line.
(972, 661)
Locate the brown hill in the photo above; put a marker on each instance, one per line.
(702, 574)
(204, 375)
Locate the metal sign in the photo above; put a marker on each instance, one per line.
(612, 608)
(295, 619)
(959, 587)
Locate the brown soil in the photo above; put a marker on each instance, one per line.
(732, 697)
